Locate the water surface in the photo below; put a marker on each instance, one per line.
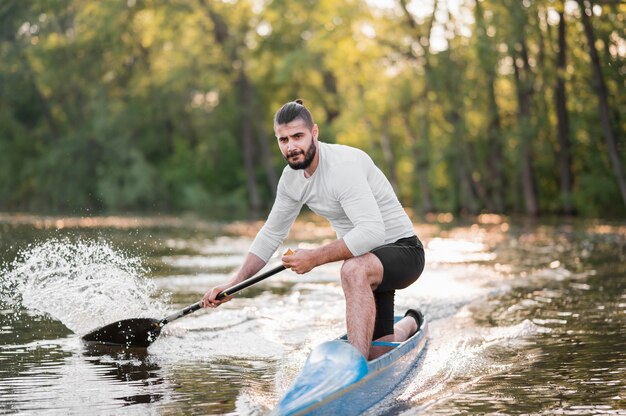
(525, 318)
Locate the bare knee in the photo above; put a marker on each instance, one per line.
(352, 274)
(362, 271)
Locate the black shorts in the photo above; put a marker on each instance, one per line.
(403, 263)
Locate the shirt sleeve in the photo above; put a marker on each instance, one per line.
(358, 202)
(276, 228)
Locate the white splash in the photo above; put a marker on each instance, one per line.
(83, 284)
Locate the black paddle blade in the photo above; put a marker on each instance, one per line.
(138, 332)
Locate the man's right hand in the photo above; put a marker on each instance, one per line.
(251, 265)
(209, 301)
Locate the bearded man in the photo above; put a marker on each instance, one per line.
(375, 237)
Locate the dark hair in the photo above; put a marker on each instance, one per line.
(291, 111)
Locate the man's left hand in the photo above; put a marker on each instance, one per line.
(301, 261)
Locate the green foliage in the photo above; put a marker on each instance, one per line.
(141, 105)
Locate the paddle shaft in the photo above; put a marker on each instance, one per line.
(224, 293)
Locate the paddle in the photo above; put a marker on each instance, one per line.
(141, 332)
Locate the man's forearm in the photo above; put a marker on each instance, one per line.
(303, 261)
(335, 251)
(251, 266)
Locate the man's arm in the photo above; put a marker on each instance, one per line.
(279, 221)
(251, 266)
(303, 261)
(356, 197)
(283, 214)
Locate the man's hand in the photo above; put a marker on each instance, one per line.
(209, 301)
(301, 261)
(251, 265)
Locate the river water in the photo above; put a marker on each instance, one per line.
(525, 318)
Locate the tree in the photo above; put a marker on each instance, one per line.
(487, 59)
(602, 97)
(563, 129)
(420, 54)
(524, 80)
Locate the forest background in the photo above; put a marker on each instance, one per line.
(501, 106)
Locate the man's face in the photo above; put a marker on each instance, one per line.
(297, 143)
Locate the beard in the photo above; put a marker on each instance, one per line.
(308, 157)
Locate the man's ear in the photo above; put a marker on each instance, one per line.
(315, 131)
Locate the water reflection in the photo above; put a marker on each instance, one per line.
(44, 367)
(574, 365)
(127, 365)
(217, 386)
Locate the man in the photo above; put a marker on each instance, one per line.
(376, 239)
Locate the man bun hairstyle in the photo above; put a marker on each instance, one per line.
(291, 111)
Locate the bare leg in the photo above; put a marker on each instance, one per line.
(359, 277)
(402, 330)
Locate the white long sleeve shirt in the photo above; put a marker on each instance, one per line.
(349, 190)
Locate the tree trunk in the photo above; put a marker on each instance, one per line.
(524, 91)
(563, 131)
(420, 163)
(603, 101)
(478, 187)
(385, 142)
(265, 144)
(43, 103)
(330, 86)
(495, 156)
(247, 136)
(246, 101)
(494, 131)
(461, 166)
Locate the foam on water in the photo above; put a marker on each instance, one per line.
(461, 358)
(83, 284)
